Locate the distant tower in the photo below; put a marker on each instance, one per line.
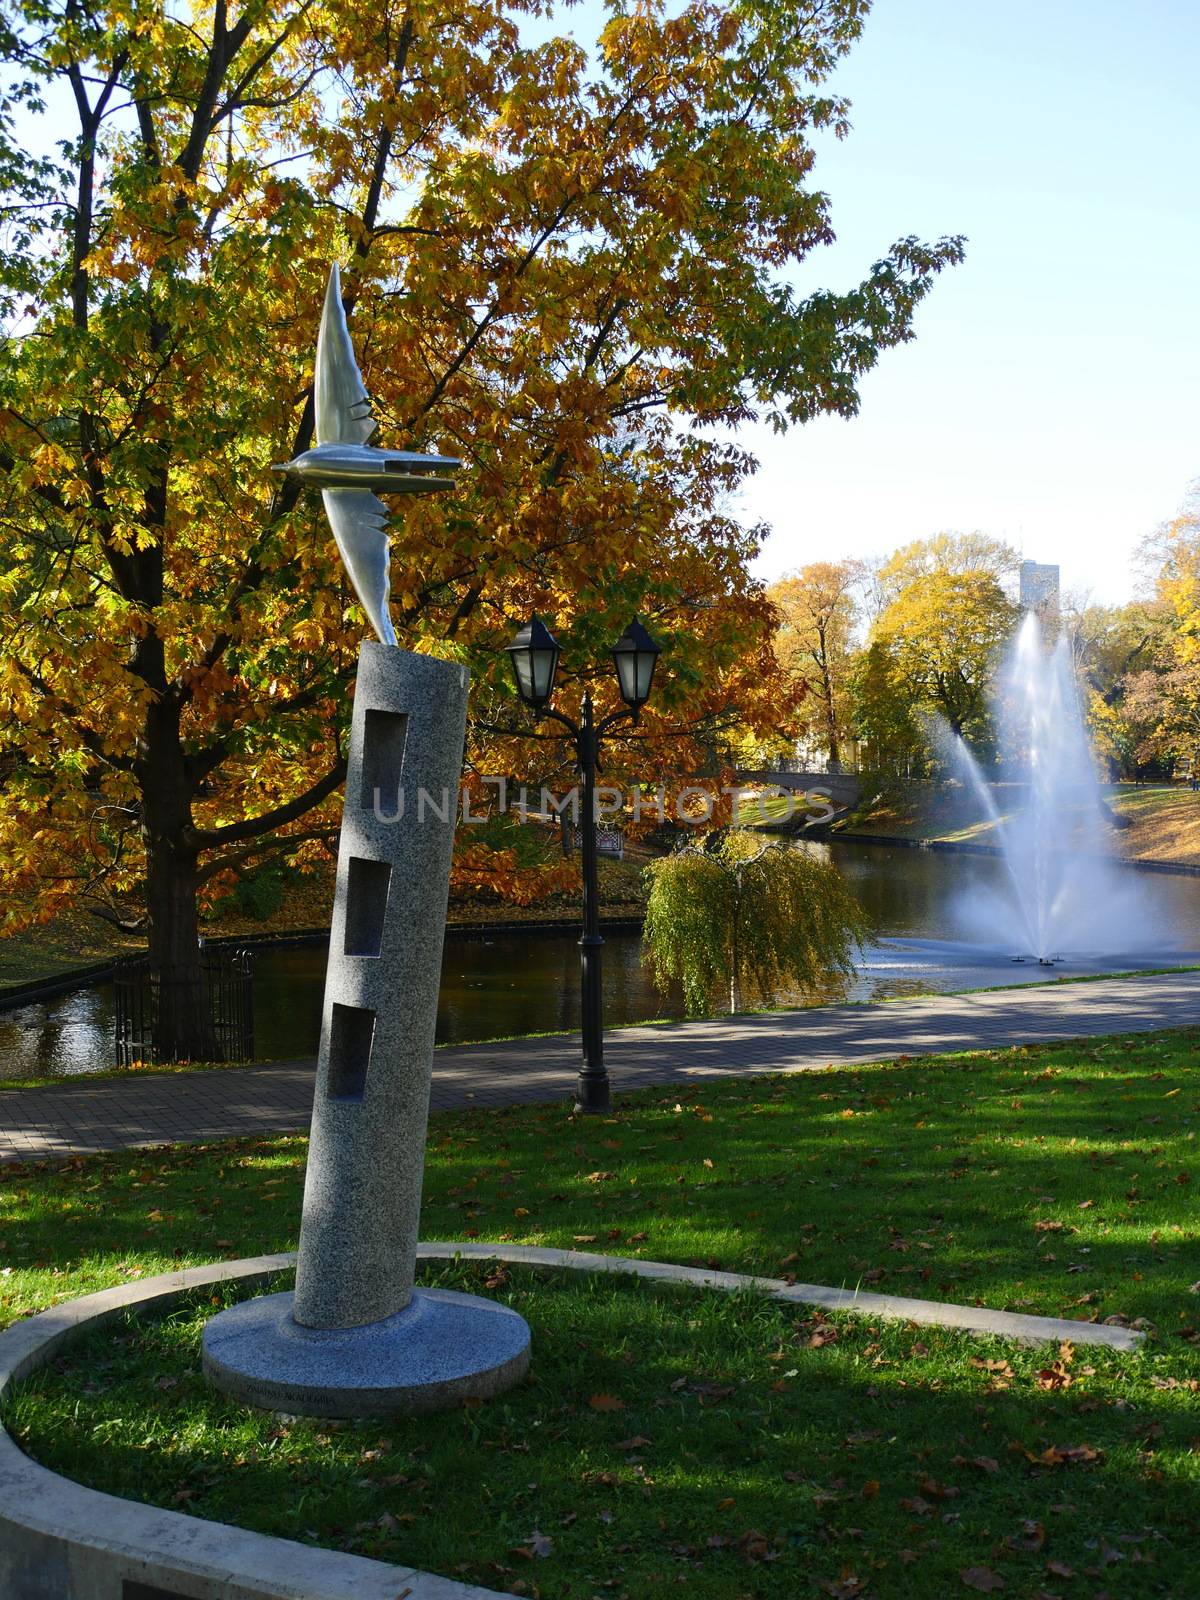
(1039, 588)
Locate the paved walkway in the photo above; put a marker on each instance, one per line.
(160, 1108)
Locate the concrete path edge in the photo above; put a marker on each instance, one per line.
(62, 1541)
(927, 1313)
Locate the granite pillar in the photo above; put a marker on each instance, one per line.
(355, 1338)
(362, 1195)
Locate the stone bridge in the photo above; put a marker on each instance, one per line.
(841, 787)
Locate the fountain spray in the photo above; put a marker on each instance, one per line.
(1065, 890)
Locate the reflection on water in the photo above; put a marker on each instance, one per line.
(919, 893)
(510, 985)
(514, 984)
(73, 1033)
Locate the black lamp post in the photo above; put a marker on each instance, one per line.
(534, 654)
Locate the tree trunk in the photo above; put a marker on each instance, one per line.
(185, 1031)
(185, 1028)
(735, 956)
(831, 732)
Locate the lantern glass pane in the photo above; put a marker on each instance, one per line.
(543, 663)
(627, 675)
(523, 668)
(645, 673)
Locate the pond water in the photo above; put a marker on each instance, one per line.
(516, 984)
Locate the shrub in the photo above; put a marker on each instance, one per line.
(743, 913)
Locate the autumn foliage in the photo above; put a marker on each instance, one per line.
(567, 267)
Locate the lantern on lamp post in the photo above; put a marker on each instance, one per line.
(635, 655)
(534, 655)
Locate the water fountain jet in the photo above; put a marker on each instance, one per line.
(1064, 891)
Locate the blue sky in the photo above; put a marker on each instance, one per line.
(1050, 394)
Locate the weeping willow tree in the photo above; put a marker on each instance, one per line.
(745, 914)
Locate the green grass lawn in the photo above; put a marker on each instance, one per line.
(669, 1439)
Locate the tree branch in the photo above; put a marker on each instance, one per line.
(262, 851)
(253, 827)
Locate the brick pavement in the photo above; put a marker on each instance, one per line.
(79, 1116)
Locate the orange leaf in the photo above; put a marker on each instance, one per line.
(982, 1578)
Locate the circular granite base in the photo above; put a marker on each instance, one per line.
(441, 1349)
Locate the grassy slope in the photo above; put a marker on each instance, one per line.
(779, 1452)
(1164, 821)
(922, 811)
(47, 949)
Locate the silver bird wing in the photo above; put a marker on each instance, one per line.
(343, 410)
(359, 522)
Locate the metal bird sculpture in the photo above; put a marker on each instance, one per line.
(346, 466)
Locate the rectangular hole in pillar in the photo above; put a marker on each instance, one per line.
(382, 760)
(351, 1034)
(366, 905)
